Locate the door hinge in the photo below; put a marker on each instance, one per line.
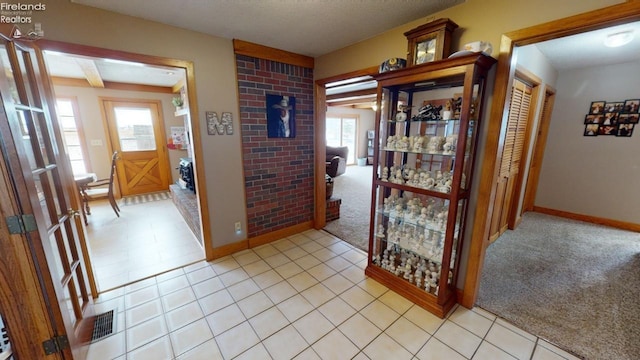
(21, 224)
(55, 345)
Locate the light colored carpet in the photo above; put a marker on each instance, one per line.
(354, 188)
(573, 283)
(145, 198)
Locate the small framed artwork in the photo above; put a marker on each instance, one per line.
(610, 118)
(593, 119)
(625, 130)
(631, 106)
(614, 106)
(633, 118)
(281, 112)
(371, 134)
(597, 107)
(607, 130)
(623, 118)
(591, 130)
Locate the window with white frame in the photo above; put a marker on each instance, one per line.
(71, 129)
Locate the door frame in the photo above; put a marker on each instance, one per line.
(539, 146)
(201, 195)
(320, 148)
(576, 24)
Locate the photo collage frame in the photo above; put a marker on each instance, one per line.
(615, 118)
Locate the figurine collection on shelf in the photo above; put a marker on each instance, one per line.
(423, 273)
(420, 178)
(423, 144)
(414, 223)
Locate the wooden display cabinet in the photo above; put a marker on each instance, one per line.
(425, 145)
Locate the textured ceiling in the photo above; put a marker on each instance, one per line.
(307, 27)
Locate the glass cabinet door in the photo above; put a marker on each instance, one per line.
(427, 134)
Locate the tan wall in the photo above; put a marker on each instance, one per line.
(477, 20)
(94, 129)
(216, 90)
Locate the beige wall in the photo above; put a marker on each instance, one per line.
(94, 128)
(216, 90)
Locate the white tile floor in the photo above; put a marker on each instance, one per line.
(146, 239)
(301, 297)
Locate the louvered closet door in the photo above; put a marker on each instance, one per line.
(511, 156)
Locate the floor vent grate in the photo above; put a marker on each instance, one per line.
(103, 326)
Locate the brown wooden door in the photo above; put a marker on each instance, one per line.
(41, 178)
(511, 157)
(136, 131)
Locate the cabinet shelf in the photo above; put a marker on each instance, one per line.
(412, 189)
(440, 153)
(421, 191)
(434, 122)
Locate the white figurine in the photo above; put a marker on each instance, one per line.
(391, 142)
(385, 174)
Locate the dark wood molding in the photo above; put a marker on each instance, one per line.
(268, 53)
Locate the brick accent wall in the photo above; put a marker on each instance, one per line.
(278, 171)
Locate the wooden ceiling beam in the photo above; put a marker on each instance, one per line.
(91, 73)
(357, 93)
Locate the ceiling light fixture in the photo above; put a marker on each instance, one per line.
(619, 38)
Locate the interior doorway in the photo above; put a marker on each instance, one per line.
(180, 73)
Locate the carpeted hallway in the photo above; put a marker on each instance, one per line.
(354, 188)
(576, 284)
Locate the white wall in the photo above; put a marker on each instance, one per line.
(589, 175)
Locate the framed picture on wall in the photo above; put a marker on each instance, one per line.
(607, 130)
(597, 107)
(610, 118)
(633, 118)
(614, 106)
(591, 130)
(281, 112)
(625, 130)
(631, 106)
(593, 119)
